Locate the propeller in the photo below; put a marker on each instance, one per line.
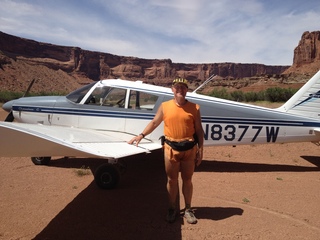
(10, 116)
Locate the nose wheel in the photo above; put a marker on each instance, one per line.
(41, 160)
(107, 176)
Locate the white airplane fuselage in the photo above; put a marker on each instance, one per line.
(224, 122)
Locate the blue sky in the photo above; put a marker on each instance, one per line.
(186, 31)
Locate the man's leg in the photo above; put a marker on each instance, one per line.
(172, 171)
(187, 170)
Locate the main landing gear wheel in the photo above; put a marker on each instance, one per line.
(41, 160)
(107, 176)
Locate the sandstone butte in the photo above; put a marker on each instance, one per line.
(63, 69)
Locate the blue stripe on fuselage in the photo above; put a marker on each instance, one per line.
(266, 122)
(149, 116)
(86, 112)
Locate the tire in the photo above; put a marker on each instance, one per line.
(107, 176)
(41, 160)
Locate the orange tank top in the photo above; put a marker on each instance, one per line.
(179, 121)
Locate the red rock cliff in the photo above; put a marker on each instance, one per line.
(307, 54)
(81, 63)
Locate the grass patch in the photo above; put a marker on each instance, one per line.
(245, 200)
(83, 171)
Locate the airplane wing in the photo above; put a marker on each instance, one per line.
(317, 131)
(33, 140)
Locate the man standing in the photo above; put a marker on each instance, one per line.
(183, 148)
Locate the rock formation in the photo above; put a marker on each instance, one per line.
(83, 64)
(307, 54)
(61, 68)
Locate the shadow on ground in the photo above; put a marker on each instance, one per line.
(315, 160)
(217, 213)
(134, 210)
(223, 166)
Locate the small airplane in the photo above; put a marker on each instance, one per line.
(97, 120)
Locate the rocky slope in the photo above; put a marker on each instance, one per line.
(306, 58)
(61, 68)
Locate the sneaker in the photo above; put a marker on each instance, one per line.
(171, 216)
(189, 216)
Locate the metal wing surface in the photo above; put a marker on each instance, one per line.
(30, 140)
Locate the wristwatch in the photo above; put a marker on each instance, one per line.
(142, 135)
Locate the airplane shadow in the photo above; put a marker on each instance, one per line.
(223, 166)
(315, 160)
(136, 209)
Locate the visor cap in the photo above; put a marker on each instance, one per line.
(180, 80)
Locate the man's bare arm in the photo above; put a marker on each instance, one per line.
(153, 124)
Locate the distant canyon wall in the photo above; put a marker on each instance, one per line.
(66, 68)
(98, 65)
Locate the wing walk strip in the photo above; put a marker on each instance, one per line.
(31, 140)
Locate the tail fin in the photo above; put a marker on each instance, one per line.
(306, 101)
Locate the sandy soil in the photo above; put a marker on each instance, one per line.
(243, 192)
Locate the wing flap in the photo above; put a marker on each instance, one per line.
(30, 140)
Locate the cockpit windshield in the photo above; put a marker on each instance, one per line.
(106, 96)
(77, 95)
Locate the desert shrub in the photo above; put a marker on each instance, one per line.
(238, 96)
(6, 96)
(253, 96)
(220, 93)
(275, 94)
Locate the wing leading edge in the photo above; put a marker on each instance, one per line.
(30, 140)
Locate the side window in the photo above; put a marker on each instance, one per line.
(98, 95)
(77, 95)
(142, 101)
(115, 98)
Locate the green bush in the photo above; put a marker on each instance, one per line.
(238, 96)
(220, 93)
(6, 96)
(275, 94)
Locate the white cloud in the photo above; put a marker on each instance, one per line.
(197, 31)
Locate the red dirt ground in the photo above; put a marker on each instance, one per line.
(243, 192)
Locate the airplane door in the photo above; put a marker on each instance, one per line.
(141, 108)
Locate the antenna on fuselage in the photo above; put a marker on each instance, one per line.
(205, 83)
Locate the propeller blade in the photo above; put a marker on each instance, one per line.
(28, 89)
(10, 117)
